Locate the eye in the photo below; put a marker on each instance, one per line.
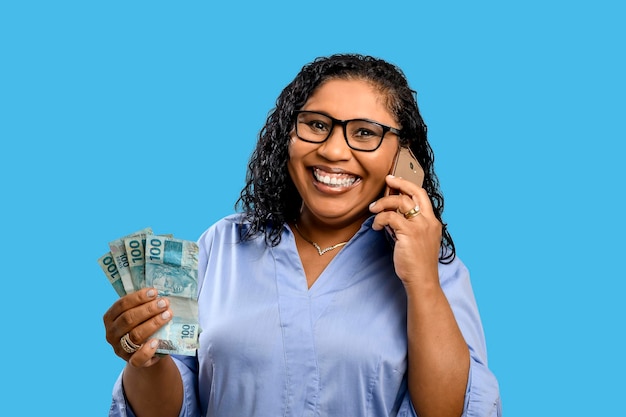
(364, 133)
(315, 123)
(317, 126)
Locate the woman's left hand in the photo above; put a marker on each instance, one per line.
(417, 236)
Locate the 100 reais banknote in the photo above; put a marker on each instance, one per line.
(143, 259)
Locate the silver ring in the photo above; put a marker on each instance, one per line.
(412, 213)
(128, 345)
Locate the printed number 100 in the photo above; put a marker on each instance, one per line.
(188, 332)
(155, 250)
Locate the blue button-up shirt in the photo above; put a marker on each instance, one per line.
(271, 346)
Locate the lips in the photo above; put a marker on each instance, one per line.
(332, 179)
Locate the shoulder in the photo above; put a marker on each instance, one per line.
(232, 221)
(228, 229)
(225, 226)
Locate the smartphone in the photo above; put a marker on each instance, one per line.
(407, 167)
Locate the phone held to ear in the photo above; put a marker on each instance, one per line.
(407, 167)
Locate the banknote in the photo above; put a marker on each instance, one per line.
(168, 264)
(135, 249)
(180, 335)
(118, 250)
(172, 266)
(110, 270)
(135, 252)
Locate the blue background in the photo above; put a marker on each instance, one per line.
(119, 115)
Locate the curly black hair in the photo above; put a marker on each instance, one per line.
(269, 198)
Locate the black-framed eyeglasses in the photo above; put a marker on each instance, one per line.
(360, 134)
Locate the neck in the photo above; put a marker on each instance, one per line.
(325, 234)
(319, 249)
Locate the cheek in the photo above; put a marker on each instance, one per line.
(377, 169)
(298, 150)
(381, 166)
(390, 152)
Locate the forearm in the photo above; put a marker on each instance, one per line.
(154, 391)
(438, 355)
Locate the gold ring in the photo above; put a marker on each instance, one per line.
(412, 213)
(128, 345)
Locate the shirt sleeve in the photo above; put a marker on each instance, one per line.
(482, 396)
(188, 368)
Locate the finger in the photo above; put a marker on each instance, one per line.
(140, 321)
(422, 200)
(129, 301)
(395, 211)
(138, 335)
(403, 200)
(397, 202)
(393, 219)
(145, 356)
(147, 328)
(384, 219)
(402, 185)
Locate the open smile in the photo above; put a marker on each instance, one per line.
(333, 179)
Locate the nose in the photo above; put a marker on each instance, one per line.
(335, 148)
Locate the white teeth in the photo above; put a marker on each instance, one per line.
(334, 181)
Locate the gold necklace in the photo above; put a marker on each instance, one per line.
(319, 250)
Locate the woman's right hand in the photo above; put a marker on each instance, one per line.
(140, 314)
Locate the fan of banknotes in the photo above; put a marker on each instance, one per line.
(143, 259)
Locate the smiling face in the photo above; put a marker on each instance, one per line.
(337, 183)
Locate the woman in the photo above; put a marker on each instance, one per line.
(307, 307)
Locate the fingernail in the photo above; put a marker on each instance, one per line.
(161, 303)
(372, 204)
(391, 176)
(151, 293)
(165, 315)
(154, 343)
